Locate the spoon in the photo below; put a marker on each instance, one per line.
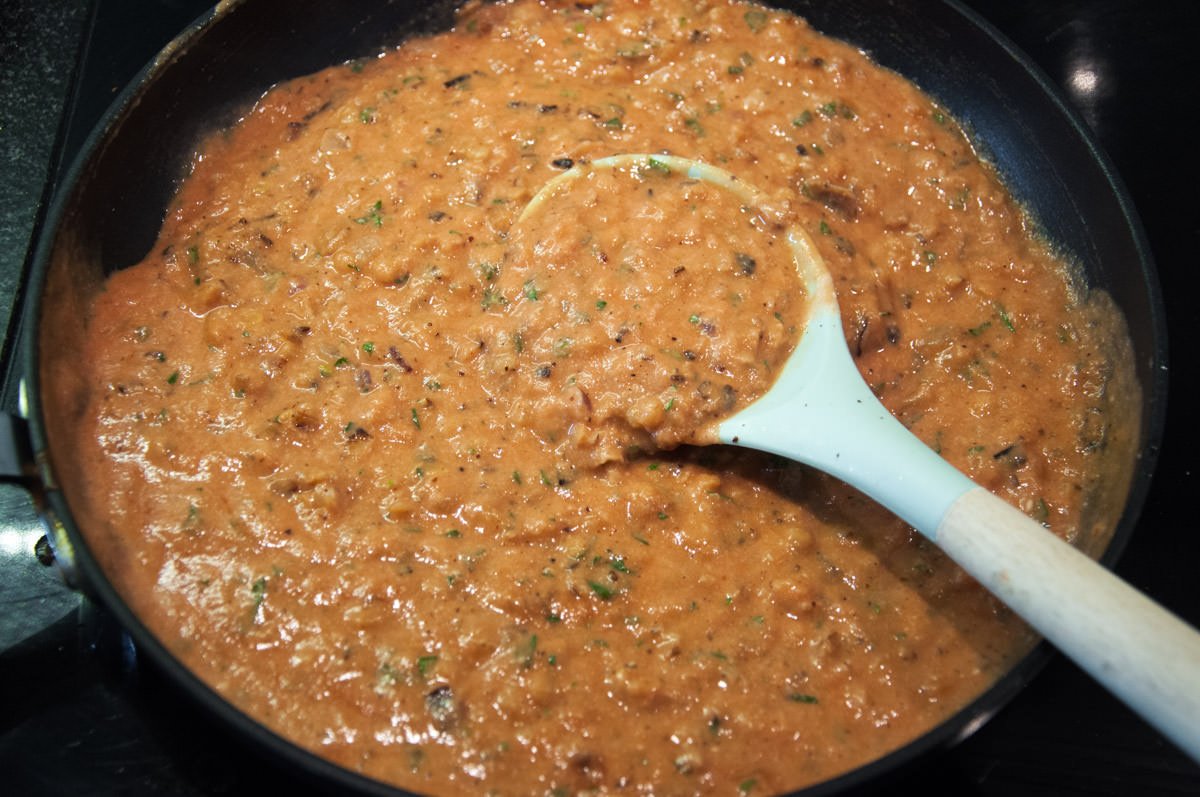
(819, 411)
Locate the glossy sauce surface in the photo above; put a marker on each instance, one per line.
(352, 479)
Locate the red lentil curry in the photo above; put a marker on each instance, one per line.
(353, 485)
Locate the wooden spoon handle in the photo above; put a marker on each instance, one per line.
(1138, 650)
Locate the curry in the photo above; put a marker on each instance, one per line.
(355, 424)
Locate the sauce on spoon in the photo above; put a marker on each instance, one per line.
(676, 303)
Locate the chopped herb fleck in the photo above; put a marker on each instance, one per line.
(601, 590)
(1004, 317)
(756, 20)
(258, 591)
(373, 215)
(491, 298)
(425, 664)
(655, 165)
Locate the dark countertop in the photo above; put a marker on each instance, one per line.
(78, 717)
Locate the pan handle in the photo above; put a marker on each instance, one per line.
(18, 467)
(18, 463)
(16, 453)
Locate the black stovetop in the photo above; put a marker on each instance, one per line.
(80, 714)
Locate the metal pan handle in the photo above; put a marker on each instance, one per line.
(18, 467)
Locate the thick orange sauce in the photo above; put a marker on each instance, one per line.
(351, 479)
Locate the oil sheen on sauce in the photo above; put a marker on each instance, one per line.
(353, 440)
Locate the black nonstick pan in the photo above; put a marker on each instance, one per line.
(108, 214)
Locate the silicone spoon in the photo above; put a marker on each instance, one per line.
(821, 412)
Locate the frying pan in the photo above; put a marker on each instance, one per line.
(108, 214)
